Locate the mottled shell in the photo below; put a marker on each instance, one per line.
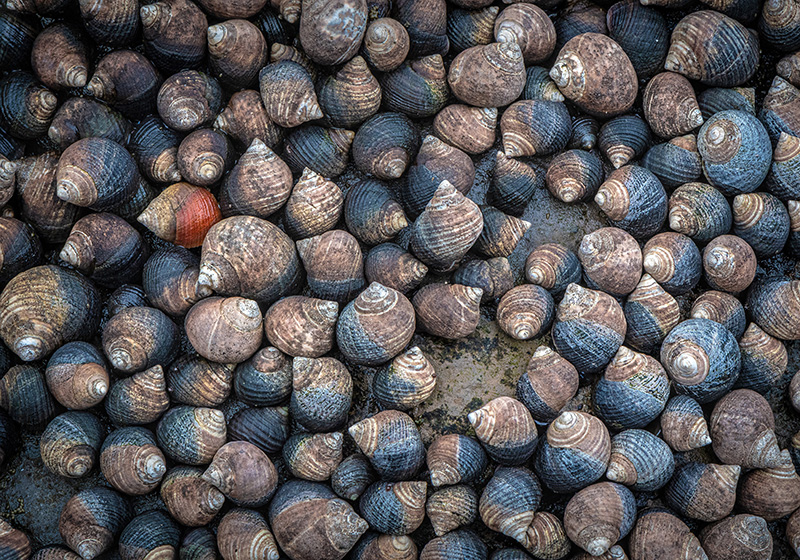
(470, 129)
(640, 460)
(148, 534)
(314, 206)
(780, 109)
(788, 68)
(131, 461)
(191, 435)
(323, 150)
(452, 507)
(266, 428)
(426, 25)
(137, 338)
(243, 534)
(386, 144)
(574, 175)
(513, 184)
(676, 162)
(673, 260)
(394, 508)
(127, 81)
(670, 105)
(139, 399)
(70, 444)
(92, 519)
(59, 57)
(634, 200)
(659, 532)
(470, 28)
(699, 211)
(287, 91)
(352, 476)
(535, 128)
(454, 459)
(384, 547)
(322, 391)
(461, 543)
(706, 492)
(763, 221)
(237, 51)
(174, 33)
(493, 276)
(525, 312)
(506, 429)
(594, 72)
(450, 311)
(770, 493)
(574, 452)
(204, 156)
(740, 535)
(54, 553)
(683, 426)
(244, 119)
(548, 383)
(651, 313)
(388, 264)
(530, 28)
(386, 44)
(408, 381)
(509, 502)
(244, 473)
(372, 214)
(77, 375)
(392, 442)
(188, 100)
(418, 88)
(612, 260)
(331, 32)
(589, 328)
(313, 456)
(265, 379)
(623, 139)
(488, 75)
(764, 360)
(598, 516)
(301, 326)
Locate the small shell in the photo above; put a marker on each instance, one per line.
(8, 176)
(169, 279)
(640, 460)
(372, 214)
(683, 426)
(70, 444)
(418, 88)
(322, 391)
(449, 311)
(191, 435)
(331, 32)
(612, 260)
(182, 214)
(244, 119)
(763, 221)
(460, 544)
(313, 456)
(174, 34)
(111, 23)
(651, 313)
(323, 150)
(20, 249)
(454, 459)
(385, 145)
(131, 461)
(243, 534)
(746, 536)
(548, 383)
(743, 431)
(702, 45)
(388, 264)
(659, 532)
(623, 139)
(525, 312)
(470, 28)
(26, 107)
(394, 508)
(574, 452)
(77, 375)
(600, 515)
(350, 96)
(314, 206)
(779, 112)
(352, 476)
(584, 133)
(92, 519)
(676, 162)
(574, 175)
(535, 128)
(386, 44)
(408, 381)
(228, 10)
(674, 261)
(288, 94)
(266, 428)
(265, 379)
(699, 211)
(722, 308)
(594, 72)
(764, 360)
(127, 81)
(509, 502)
(452, 507)
(139, 399)
(82, 117)
(670, 105)
(634, 200)
(506, 429)
(149, 534)
(59, 57)
(204, 156)
(513, 184)
(589, 328)
(237, 51)
(392, 443)
(528, 26)
(492, 276)
(642, 32)
(788, 68)
(301, 326)
(137, 338)
(784, 174)
(729, 263)
(154, 146)
(470, 129)
(706, 492)
(770, 493)
(244, 473)
(333, 264)
(195, 381)
(632, 392)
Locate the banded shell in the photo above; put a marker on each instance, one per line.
(454, 459)
(549, 382)
(243, 534)
(470, 28)
(584, 133)
(642, 32)
(388, 264)
(634, 200)
(418, 88)
(525, 312)
(780, 109)
(301, 326)
(651, 313)
(352, 476)
(528, 26)
(313, 456)
(92, 519)
(244, 119)
(191, 435)
(729, 263)
(674, 261)
(237, 51)
(372, 214)
(24, 395)
(784, 173)
(745, 535)
(394, 508)
(149, 533)
(405, 383)
(386, 44)
(323, 150)
(640, 460)
(676, 162)
(535, 128)
(513, 184)
(138, 338)
(492, 276)
(385, 145)
(683, 425)
(764, 360)
(188, 100)
(772, 305)
(426, 25)
(27, 107)
(506, 429)
(131, 461)
(322, 391)
(385, 547)
(174, 33)
(154, 146)
(461, 543)
(598, 516)
(552, 266)
(699, 211)
(139, 399)
(70, 444)
(658, 531)
(721, 308)
(392, 443)
(470, 129)
(574, 175)
(612, 260)
(126, 80)
(169, 279)
(501, 233)
(314, 206)
(706, 492)
(350, 96)
(770, 493)
(450, 311)
(539, 85)
(623, 139)
(77, 375)
(509, 502)
(714, 100)
(287, 91)
(452, 507)
(265, 379)
(266, 428)
(763, 221)
(195, 381)
(59, 57)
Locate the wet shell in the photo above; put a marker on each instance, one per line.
(418, 88)
(258, 185)
(131, 461)
(388, 264)
(70, 444)
(244, 473)
(59, 57)
(773, 307)
(139, 399)
(309, 521)
(195, 381)
(492, 276)
(386, 44)
(331, 32)
(77, 375)
(26, 106)
(642, 32)
(51, 217)
(506, 429)
(191, 435)
(513, 184)
(574, 452)
(446, 229)
(225, 330)
(313, 456)
(44, 307)
(81, 117)
(394, 508)
(539, 85)
(675, 162)
(280, 51)
(149, 534)
(632, 392)
(426, 25)
(350, 96)
(673, 261)
(408, 381)
(452, 507)
(470, 28)
(633, 199)
(265, 379)
(92, 519)
(287, 91)
(535, 128)
(470, 129)
(333, 264)
(548, 383)
(661, 534)
(392, 443)
(449, 311)
(509, 502)
(488, 75)
(314, 206)
(96, 172)
(577, 18)
(127, 295)
(18, 32)
(779, 25)
(154, 146)
(594, 72)
(266, 428)
(237, 51)
(243, 534)
(745, 536)
(244, 119)
(204, 156)
(174, 34)
(386, 144)
(127, 81)
(302, 326)
(640, 460)
(111, 23)
(611, 260)
(729, 263)
(764, 360)
(623, 139)
(323, 150)
(683, 426)
(670, 105)
(584, 132)
(372, 214)
(322, 391)
(169, 279)
(460, 544)
(742, 431)
(352, 476)
(501, 233)
(20, 249)
(574, 175)
(699, 211)
(598, 516)
(763, 221)
(651, 313)
(233, 257)
(190, 499)
(138, 338)
(589, 328)
(188, 100)
(770, 493)
(722, 308)
(525, 312)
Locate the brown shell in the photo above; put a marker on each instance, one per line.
(506, 429)
(313, 456)
(225, 330)
(131, 461)
(593, 71)
(793, 531)
(195, 381)
(794, 391)
(189, 100)
(670, 105)
(546, 537)
(599, 515)
(16, 544)
(127, 81)
(237, 50)
(452, 507)
(651, 313)
(55, 553)
(287, 91)
(501, 233)
(78, 376)
(189, 498)
(314, 206)
(738, 536)
(659, 534)
(334, 265)
(530, 27)
(493, 276)
(7, 179)
(244, 119)
(553, 382)
(331, 31)
(19, 248)
(720, 307)
(729, 263)
(488, 75)
(612, 260)
(405, 383)
(243, 534)
(204, 156)
(139, 399)
(59, 57)
(182, 214)
(386, 44)
(450, 311)
(302, 326)
(244, 473)
(788, 68)
(280, 52)
(525, 312)
(390, 265)
(770, 493)
(174, 34)
(471, 129)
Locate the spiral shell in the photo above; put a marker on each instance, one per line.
(577, 18)
(243, 534)
(764, 360)
(27, 107)
(154, 146)
(470, 129)
(640, 460)
(127, 81)
(599, 515)
(265, 379)
(454, 459)
(509, 502)
(513, 184)
(699, 211)
(92, 519)
(322, 391)
(574, 175)
(371, 214)
(388, 264)
(770, 493)
(729, 263)
(137, 338)
(82, 117)
(784, 173)
(59, 57)
(548, 383)
(535, 128)
(780, 109)
(706, 492)
(448, 310)
(470, 28)
(20, 249)
(301, 326)
(8, 176)
(350, 96)
(673, 261)
(313, 207)
(722, 308)
(323, 150)
(408, 381)
(244, 119)
(623, 139)
(525, 312)
(742, 535)
(651, 313)
(772, 304)
(634, 200)
(788, 68)
(762, 221)
(714, 100)
(331, 32)
(111, 23)
(334, 265)
(670, 105)
(147, 534)
(385, 145)
(77, 375)
(386, 44)
(174, 34)
(189, 498)
(462, 543)
(352, 476)
(384, 547)
(391, 442)
(244, 473)
(611, 260)
(313, 456)
(169, 279)
(204, 156)
(18, 33)
(506, 429)
(676, 162)
(452, 507)
(131, 461)
(237, 51)
(266, 428)
(195, 381)
(188, 100)
(287, 91)
(643, 34)
(70, 444)
(683, 426)
(225, 330)
(492, 276)
(191, 435)
(54, 553)
(394, 508)
(127, 295)
(51, 217)
(418, 88)
(658, 531)
(139, 399)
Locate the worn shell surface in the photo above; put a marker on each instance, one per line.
(470, 129)
(574, 175)
(174, 34)
(651, 313)
(70, 444)
(59, 57)
(642, 32)
(287, 90)
(513, 184)
(770, 493)
(244, 473)
(729, 263)
(634, 200)
(149, 533)
(744, 535)
(553, 267)
(237, 51)
(352, 476)
(535, 127)
(670, 105)
(191, 435)
(139, 399)
(323, 150)
(243, 534)
(131, 461)
(722, 308)
(452, 507)
(138, 338)
(313, 207)
(265, 379)
(623, 139)
(265, 427)
(470, 28)
(372, 214)
(322, 392)
(548, 383)
(773, 305)
(454, 459)
(640, 460)
(683, 425)
(77, 375)
(506, 429)
(350, 96)
(188, 100)
(301, 326)
(493, 276)
(676, 162)
(331, 32)
(313, 456)
(509, 502)
(92, 519)
(450, 311)
(408, 381)
(612, 260)
(659, 532)
(390, 265)
(392, 442)
(488, 75)
(386, 44)
(418, 88)
(524, 312)
(386, 144)
(706, 492)
(699, 211)
(394, 508)
(674, 261)
(764, 360)
(244, 119)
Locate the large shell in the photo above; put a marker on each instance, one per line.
(548, 383)
(676, 162)
(634, 200)
(372, 214)
(385, 145)
(574, 175)
(506, 429)
(191, 435)
(640, 460)
(598, 516)
(137, 338)
(77, 375)
(699, 211)
(488, 75)
(302, 326)
(265, 379)
(418, 88)
(513, 184)
(763, 221)
(509, 502)
(127, 81)
(258, 185)
(237, 51)
(470, 129)
(243, 534)
(386, 44)
(334, 265)
(739, 535)
(528, 26)
(139, 399)
(578, 18)
(314, 206)
(392, 442)
(659, 532)
(18, 34)
(92, 519)
(452, 507)
(683, 425)
(352, 476)
(612, 260)
(188, 100)
(729, 263)
(323, 150)
(651, 313)
(266, 428)
(784, 174)
(525, 312)
(244, 473)
(390, 265)
(190, 499)
(147, 534)
(174, 34)
(670, 105)
(70, 444)
(706, 492)
(535, 128)
(350, 96)
(169, 280)
(770, 493)
(59, 57)
(448, 310)
(493, 276)
(623, 139)
(764, 360)
(501, 233)
(195, 381)
(594, 72)
(722, 308)
(313, 456)
(131, 461)
(322, 391)
(244, 119)
(454, 459)
(26, 107)
(714, 100)
(204, 156)
(24, 395)
(288, 94)
(331, 32)
(674, 261)
(111, 23)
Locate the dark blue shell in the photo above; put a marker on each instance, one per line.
(266, 428)
(514, 491)
(623, 139)
(262, 388)
(649, 456)
(384, 510)
(778, 28)
(714, 100)
(461, 544)
(643, 34)
(694, 491)
(783, 180)
(707, 205)
(146, 532)
(632, 403)
(647, 209)
(539, 85)
(589, 346)
(766, 233)
(673, 164)
(688, 262)
(513, 184)
(565, 470)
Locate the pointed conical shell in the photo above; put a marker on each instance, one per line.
(59, 57)
(513, 184)
(552, 266)
(525, 312)
(139, 399)
(137, 338)
(244, 119)
(392, 442)
(454, 458)
(674, 261)
(288, 94)
(352, 476)
(699, 211)
(509, 502)
(92, 519)
(651, 313)
(770, 493)
(322, 391)
(195, 381)
(506, 429)
(549, 382)
(301, 326)
(243, 534)
(372, 214)
(764, 360)
(70, 444)
(683, 426)
(350, 96)
(385, 145)
(501, 233)
(237, 51)
(722, 308)
(314, 206)
(634, 200)
(574, 175)
(77, 375)
(408, 381)
(388, 264)
(598, 516)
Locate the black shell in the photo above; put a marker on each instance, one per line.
(267, 428)
(148, 533)
(26, 106)
(385, 145)
(513, 184)
(675, 162)
(623, 139)
(643, 34)
(265, 379)
(634, 200)
(323, 150)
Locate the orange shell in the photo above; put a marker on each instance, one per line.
(182, 214)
